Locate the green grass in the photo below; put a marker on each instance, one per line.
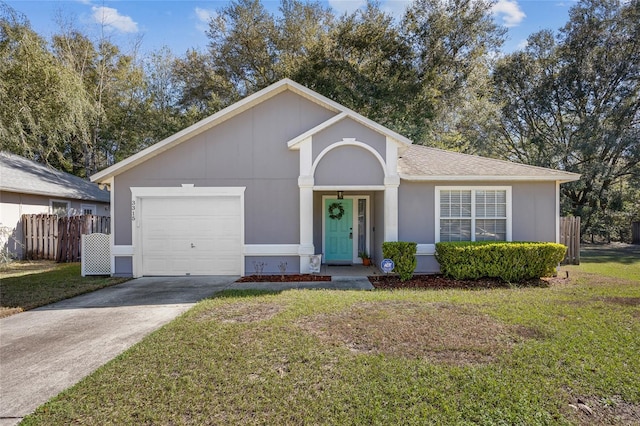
(507, 356)
(32, 284)
(621, 260)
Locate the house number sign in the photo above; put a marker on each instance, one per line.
(133, 210)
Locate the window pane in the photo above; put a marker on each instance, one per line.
(455, 230)
(491, 230)
(362, 225)
(59, 208)
(445, 198)
(491, 203)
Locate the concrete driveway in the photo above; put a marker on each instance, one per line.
(46, 350)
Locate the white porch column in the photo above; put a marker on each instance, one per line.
(305, 183)
(391, 185)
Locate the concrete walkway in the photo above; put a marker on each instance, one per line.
(46, 350)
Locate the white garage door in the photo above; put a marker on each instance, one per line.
(191, 236)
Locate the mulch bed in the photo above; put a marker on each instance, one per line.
(391, 282)
(292, 278)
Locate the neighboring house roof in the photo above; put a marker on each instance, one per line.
(18, 174)
(237, 108)
(421, 163)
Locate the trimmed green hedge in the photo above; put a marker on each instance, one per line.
(510, 261)
(403, 255)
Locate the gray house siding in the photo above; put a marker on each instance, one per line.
(533, 213)
(248, 150)
(416, 212)
(266, 151)
(271, 264)
(349, 165)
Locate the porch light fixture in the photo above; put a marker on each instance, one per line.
(340, 195)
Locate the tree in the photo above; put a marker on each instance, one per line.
(243, 42)
(364, 64)
(452, 42)
(573, 103)
(44, 110)
(115, 85)
(201, 91)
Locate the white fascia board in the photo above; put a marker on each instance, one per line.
(348, 187)
(294, 143)
(401, 141)
(328, 103)
(488, 178)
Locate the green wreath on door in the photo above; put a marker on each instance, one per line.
(336, 211)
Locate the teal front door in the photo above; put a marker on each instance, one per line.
(338, 228)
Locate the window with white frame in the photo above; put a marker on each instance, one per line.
(59, 208)
(473, 213)
(88, 209)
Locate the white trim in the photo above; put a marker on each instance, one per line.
(121, 251)
(139, 193)
(348, 142)
(489, 178)
(271, 249)
(306, 157)
(348, 187)
(54, 200)
(294, 143)
(473, 218)
(397, 138)
(354, 224)
(557, 212)
(426, 250)
(391, 158)
(112, 237)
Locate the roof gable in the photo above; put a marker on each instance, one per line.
(21, 175)
(232, 111)
(416, 162)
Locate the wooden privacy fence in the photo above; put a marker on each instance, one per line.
(635, 232)
(58, 238)
(570, 237)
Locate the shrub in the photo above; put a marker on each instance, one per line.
(403, 255)
(509, 261)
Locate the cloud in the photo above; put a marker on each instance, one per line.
(523, 44)
(346, 6)
(110, 17)
(204, 16)
(509, 11)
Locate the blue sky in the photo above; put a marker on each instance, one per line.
(181, 25)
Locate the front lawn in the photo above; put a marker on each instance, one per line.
(28, 285)
(499, 356)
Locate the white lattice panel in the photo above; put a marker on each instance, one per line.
(96, 255)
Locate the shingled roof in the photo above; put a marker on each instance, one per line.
(18, 174)
(421, 163)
